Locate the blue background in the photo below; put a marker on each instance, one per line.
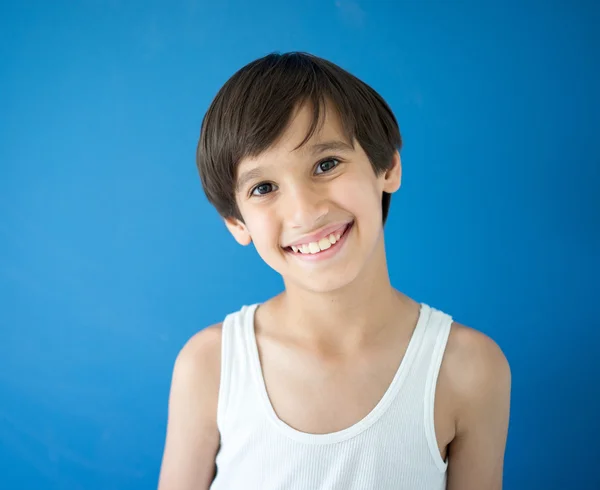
(111, 257)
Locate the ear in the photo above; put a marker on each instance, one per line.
(393, 175)
(239, 231)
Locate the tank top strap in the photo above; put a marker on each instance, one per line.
(426, 373)
(236, 376)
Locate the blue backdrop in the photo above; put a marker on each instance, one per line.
(111, 257)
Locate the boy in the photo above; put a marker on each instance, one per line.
(340, 381)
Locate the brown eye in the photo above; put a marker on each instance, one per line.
(326, 165)
(262, 189)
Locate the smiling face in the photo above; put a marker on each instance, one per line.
(313, 211)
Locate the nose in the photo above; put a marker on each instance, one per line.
(304, 206)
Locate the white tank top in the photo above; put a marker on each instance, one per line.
(393, 447)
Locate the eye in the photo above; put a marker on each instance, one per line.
(326, 165)
(262, 189)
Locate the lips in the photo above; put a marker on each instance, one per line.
(333, 229)
(326, 242)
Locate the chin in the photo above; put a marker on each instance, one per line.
(323, 283)
(326, 288)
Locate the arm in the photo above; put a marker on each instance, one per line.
(192, 438)
(482, 384)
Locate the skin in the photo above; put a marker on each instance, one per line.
(338, 332)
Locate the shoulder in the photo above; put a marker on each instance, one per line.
(477, 382)
(475, 369)
(201, 354)
(195, 383)
(474, 361)
(192, 434)
(197, 370)
(202, 343)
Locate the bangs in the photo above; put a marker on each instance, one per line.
(256, 105)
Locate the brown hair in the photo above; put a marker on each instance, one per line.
(253, 108)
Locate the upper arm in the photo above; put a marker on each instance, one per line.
(481, 383)
(192, 438)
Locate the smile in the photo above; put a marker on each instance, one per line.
(326, 246)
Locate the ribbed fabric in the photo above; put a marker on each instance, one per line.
(393, 447)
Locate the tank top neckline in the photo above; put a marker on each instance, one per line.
(358, 427)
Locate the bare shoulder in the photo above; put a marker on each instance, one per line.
(201, 352)
(476, 372)
(477, 376)
(473, 362)
(192, 435)
(197, 369)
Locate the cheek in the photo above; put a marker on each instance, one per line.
(358, 193)
(262, 228)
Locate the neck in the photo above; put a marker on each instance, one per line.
(348, 317)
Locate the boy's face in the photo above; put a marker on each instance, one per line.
(323, 199)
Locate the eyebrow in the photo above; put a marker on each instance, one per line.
(315, 149)
(247, 176)
(334, 145)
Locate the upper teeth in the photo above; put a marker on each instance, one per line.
(316, 247)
